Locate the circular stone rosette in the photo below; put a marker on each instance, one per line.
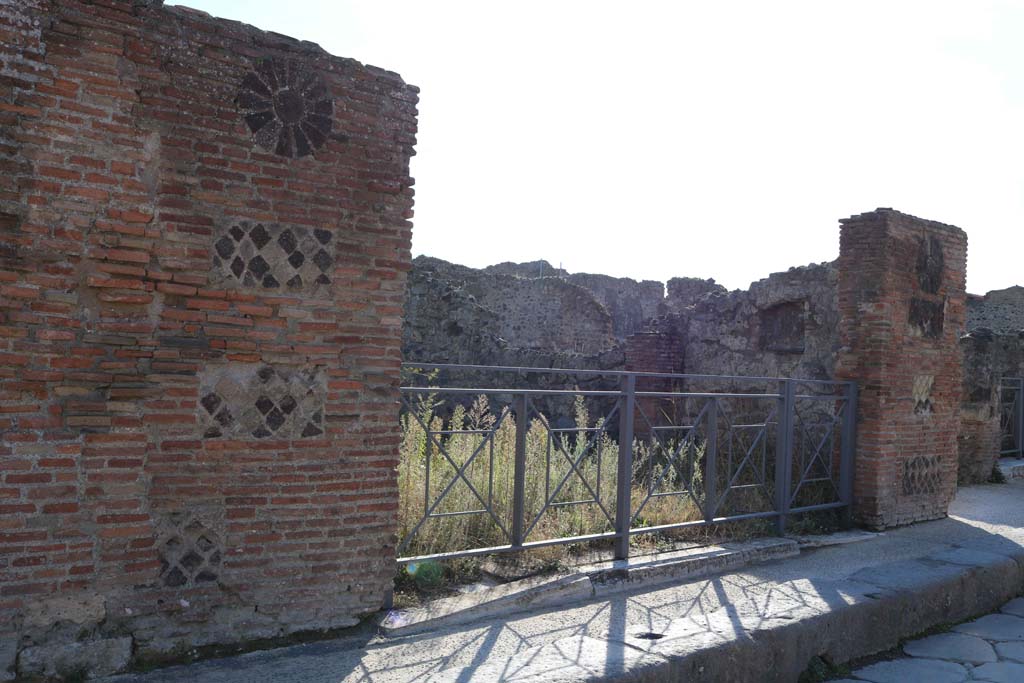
(286, 106)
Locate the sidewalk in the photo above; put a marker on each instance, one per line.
(761, 623)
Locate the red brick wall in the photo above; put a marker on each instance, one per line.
(902, 302)
(148, 156)
(659, 349)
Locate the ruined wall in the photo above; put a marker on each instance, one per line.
(629, 303)
(785, 325)
(978, 440)
(203, 246)
(1001, 311)
(993, 349)
(902, 306)
(454, 312)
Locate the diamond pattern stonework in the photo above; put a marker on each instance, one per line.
(288, 258)
(261, 402)
(921, 475)
(190, 552)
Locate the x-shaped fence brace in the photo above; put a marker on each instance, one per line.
(760, 438)
(594, 438)
(459, 474)
(827, 438)
(687, 442)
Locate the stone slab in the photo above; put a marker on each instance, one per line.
(1012, 650)
(1000, 672)
(994, 627)
(906, 670)
(1014, 607)
(954, 647)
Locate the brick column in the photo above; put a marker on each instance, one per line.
(902, 306)
(204, 236)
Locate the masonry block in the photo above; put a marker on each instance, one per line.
(902, 306)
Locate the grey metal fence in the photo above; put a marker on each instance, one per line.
(643, 453)
(1011, 416)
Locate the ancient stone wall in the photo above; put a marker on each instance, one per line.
(978, 440)
(993, 349)
(785, 325)
(902, 306)
(629, 303)
(203, 244)
(1001, 311)
(455, 313)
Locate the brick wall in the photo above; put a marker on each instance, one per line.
(204, 234)
(661, 349)
(902, 306)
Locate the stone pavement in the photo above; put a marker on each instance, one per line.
(760, 623)
(987, 649)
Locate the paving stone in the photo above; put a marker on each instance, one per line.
(956, 647)
(994, 627)
(1014, 607)
(913, 669)
(1000, 672)
(1014, 651)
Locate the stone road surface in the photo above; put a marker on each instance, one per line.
(987, 649)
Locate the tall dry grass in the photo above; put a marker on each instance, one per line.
(551, 454)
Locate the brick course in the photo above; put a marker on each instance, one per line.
(133, 137)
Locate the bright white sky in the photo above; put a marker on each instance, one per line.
(706, 139)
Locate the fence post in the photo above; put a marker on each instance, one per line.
(711, 462)
(519, 471)
(784, 452)
(624, 481)
(848, 450)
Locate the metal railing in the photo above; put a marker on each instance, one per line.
(688, 450)
(1011, 416)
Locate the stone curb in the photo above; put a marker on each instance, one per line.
(586, 582)
(840, 621)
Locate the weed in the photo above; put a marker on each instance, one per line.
(456, 480)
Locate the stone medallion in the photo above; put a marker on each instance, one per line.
(286, 106)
